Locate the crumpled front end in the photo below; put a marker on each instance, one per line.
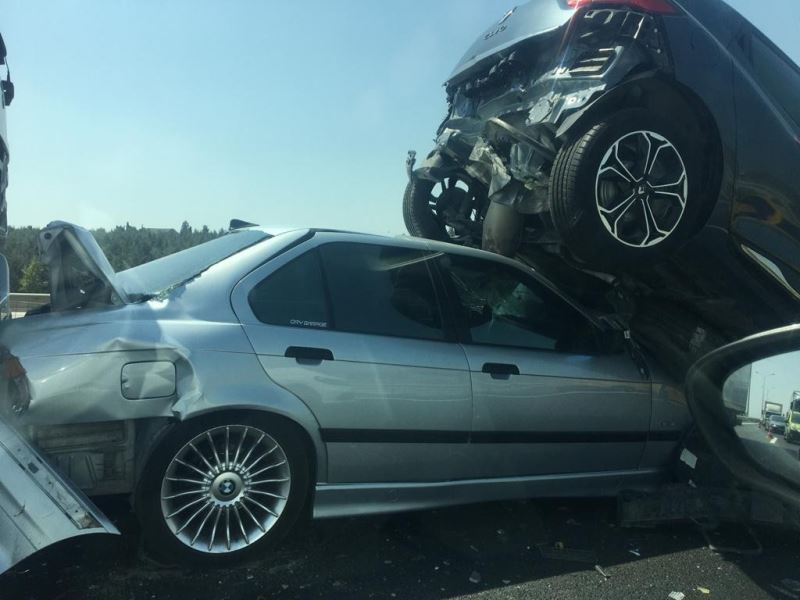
(507, 119)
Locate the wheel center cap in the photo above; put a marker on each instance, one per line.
(226, 486)
(642, 190)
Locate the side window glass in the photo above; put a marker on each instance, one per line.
(293, 296)
(382, 290)
(501, 306)
(776, 74)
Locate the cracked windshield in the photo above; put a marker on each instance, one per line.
(454, 299)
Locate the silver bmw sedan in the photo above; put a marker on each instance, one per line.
(233, 387)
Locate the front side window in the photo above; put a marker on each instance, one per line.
(382, 290)
(293, 296)
(501, 306)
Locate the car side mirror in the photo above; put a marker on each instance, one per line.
(739, 396)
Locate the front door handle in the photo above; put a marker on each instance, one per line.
(305, 353)
(500, 370)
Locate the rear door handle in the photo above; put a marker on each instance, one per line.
(500, 370)
(305, 353)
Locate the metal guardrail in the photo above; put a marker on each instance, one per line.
(21, 303)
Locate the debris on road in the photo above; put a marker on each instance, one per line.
(599, 569)
(677, 595)
(689, 458)
(475, 577)
(633, 548)
(703, 590)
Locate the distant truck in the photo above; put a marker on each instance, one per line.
(769, 409)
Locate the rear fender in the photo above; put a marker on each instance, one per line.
(233, 381)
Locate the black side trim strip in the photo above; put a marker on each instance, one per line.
(394, 436)
(413, 436)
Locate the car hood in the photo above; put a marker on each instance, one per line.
(517, 25)
(77, 266)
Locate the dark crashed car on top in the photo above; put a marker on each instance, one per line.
(654, 141)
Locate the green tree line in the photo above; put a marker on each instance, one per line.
(125, 246)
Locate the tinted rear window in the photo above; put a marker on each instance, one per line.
(294, 295)
(382, 290)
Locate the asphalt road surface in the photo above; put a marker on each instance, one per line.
(772, 451)
(498, 550)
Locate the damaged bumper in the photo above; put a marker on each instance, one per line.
(37, 506)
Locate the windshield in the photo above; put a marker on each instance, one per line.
(154, 277)
(795, 417)
(776, 419)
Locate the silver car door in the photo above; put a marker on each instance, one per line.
(37, 506)
(355, 331)
(544, 401)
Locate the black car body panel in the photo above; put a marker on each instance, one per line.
(516, 98)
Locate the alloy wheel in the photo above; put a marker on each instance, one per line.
(641, 189)
(225, 488)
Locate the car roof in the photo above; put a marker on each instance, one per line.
(407, 241)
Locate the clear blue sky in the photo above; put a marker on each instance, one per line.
(283, 113)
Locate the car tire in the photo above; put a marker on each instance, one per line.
(603, 183)
(230, 514)
(417, 215)
(451, 210)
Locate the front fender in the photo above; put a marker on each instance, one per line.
(237, 381)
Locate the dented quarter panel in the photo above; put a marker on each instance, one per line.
(228, 381)
(74, 363)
